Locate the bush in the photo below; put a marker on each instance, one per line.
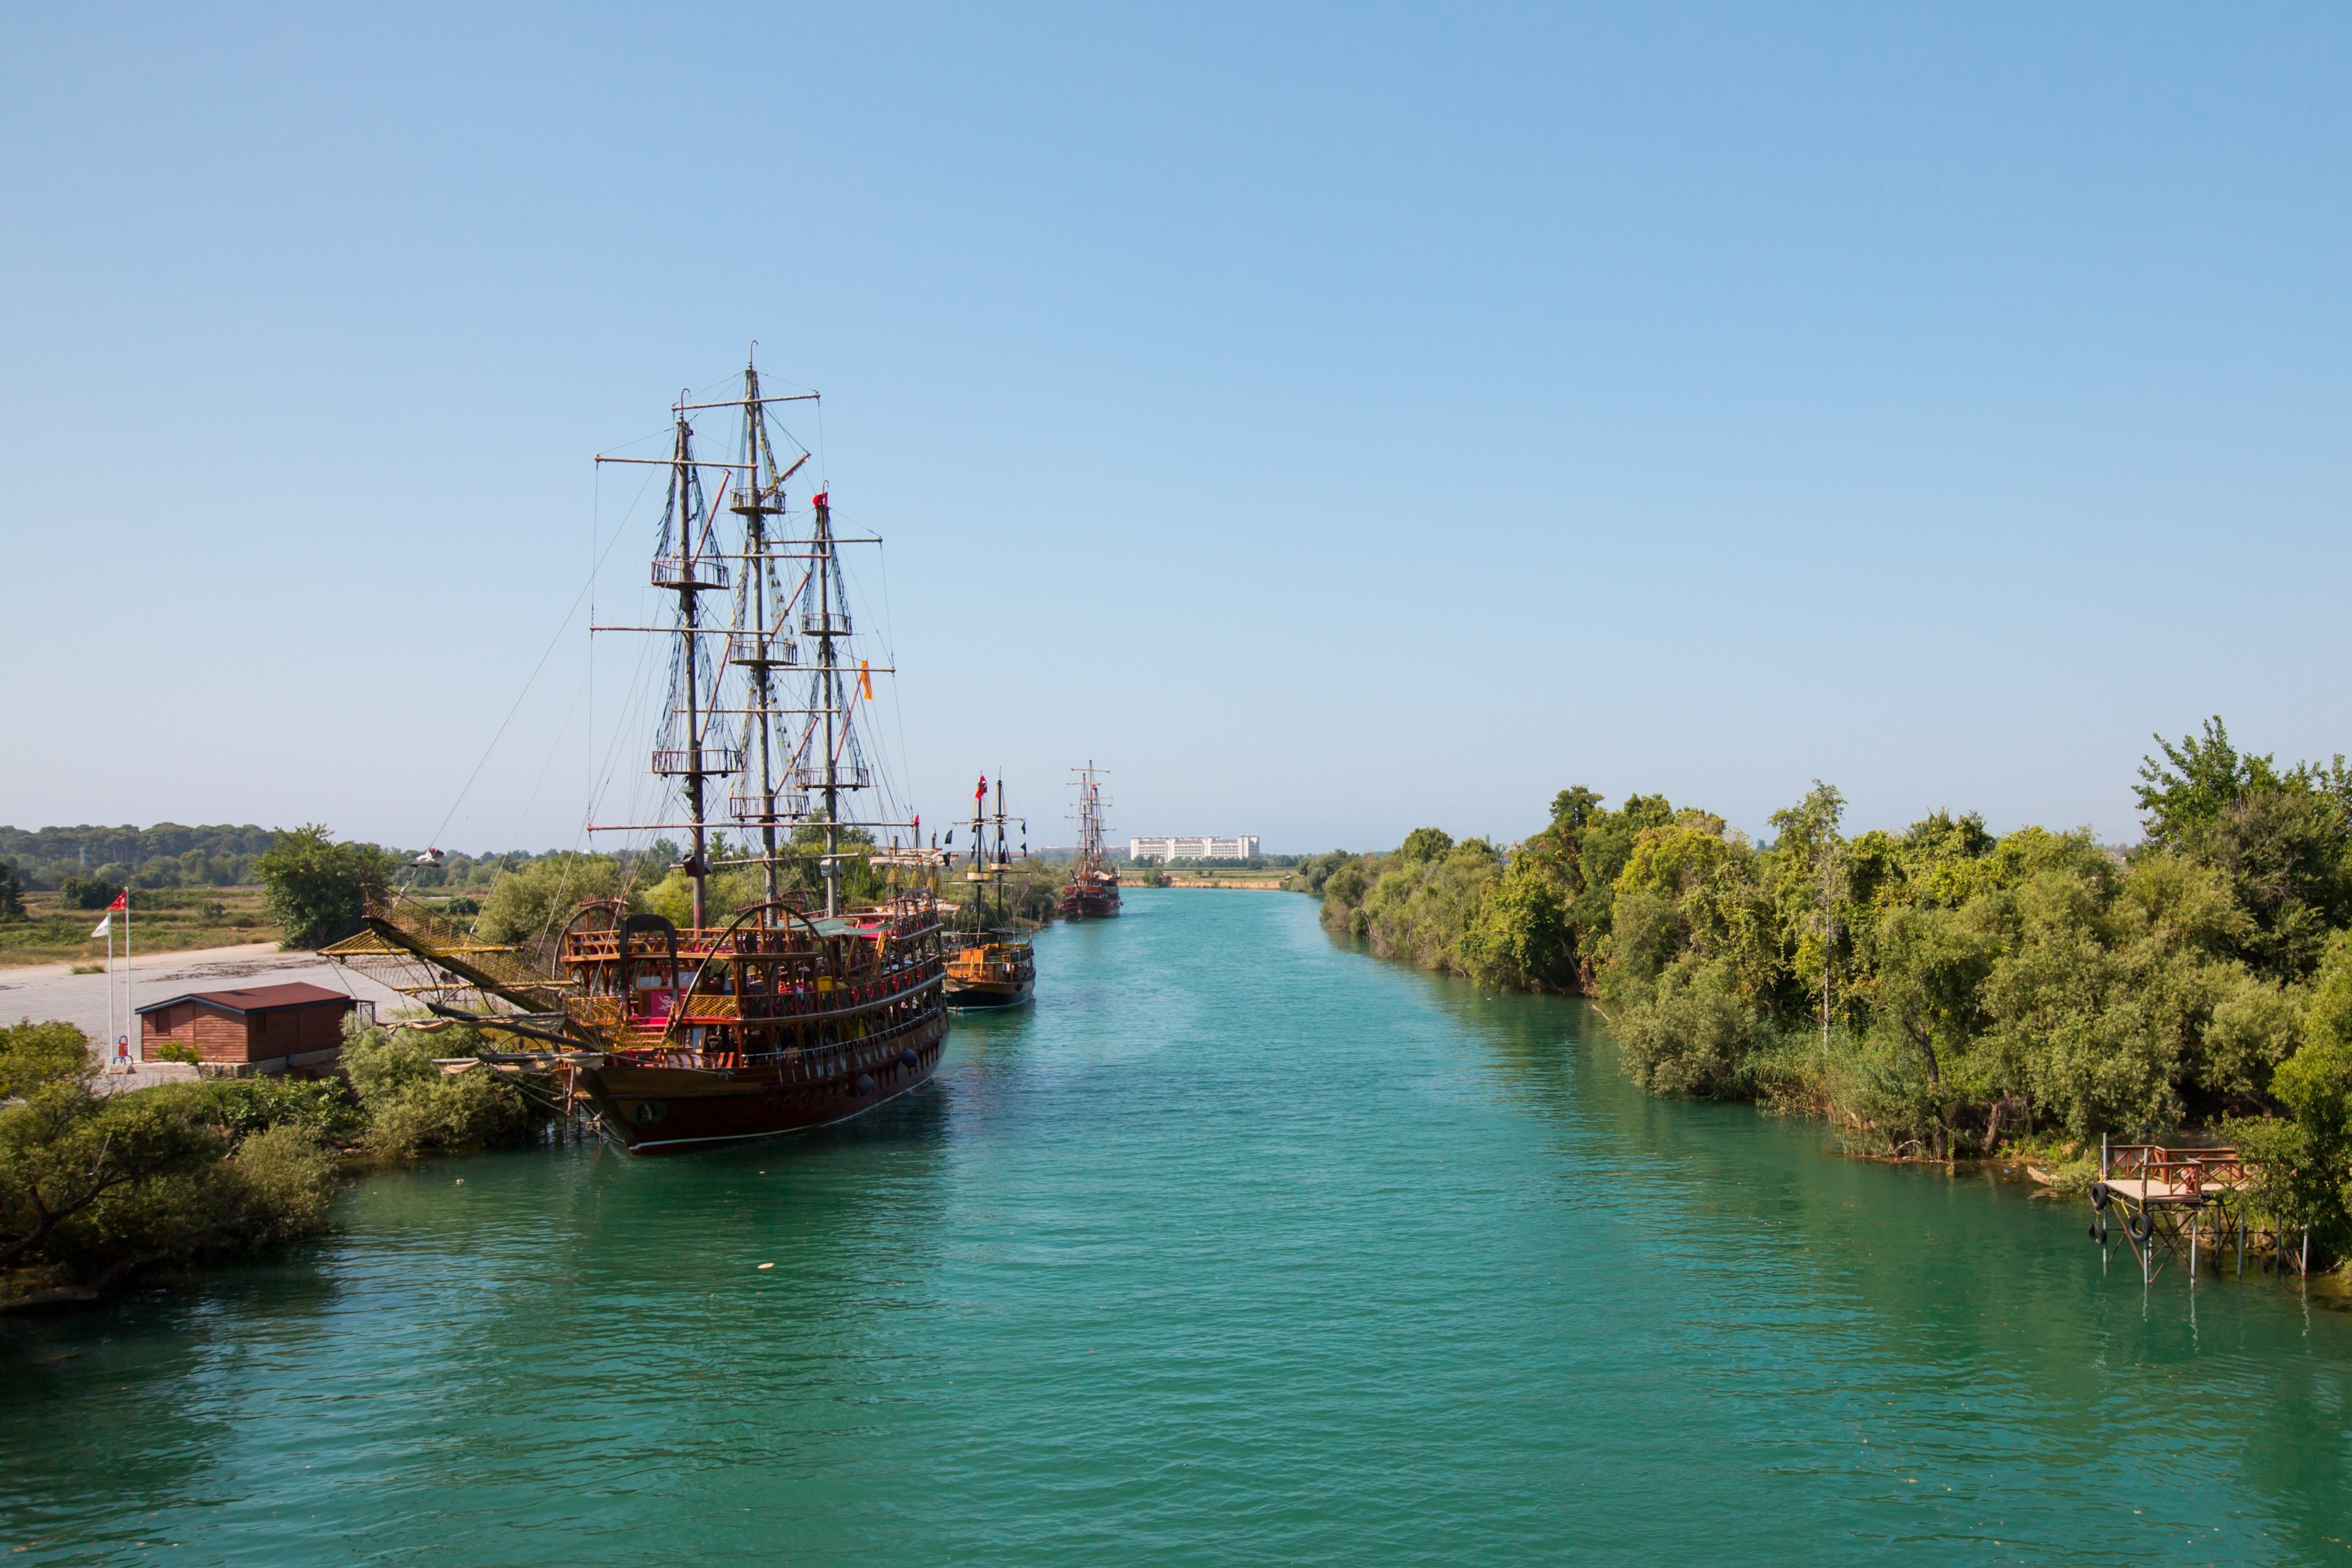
(32, 1054)
(1692, 1037)
(381, 1063)
(467, 1109)
(95, 1190)
(238, 1107)
(412, 1107)
(87, 892)
(289, 1179)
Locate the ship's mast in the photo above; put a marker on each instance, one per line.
(753, 502)
(790, 768)
(987, 866)
(690, 570)
(829, 686)
(1090, 820)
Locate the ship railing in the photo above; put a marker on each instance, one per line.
(673, 762)
(797, 1061)
(700, 573)
(744, 648)
(697, 943)
(790, 805)
(845, 776)
(799, 1006)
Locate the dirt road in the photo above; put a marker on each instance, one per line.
(44, 991)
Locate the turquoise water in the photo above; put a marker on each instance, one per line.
(1238, 1247)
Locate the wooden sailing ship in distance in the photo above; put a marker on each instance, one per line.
(989, 963)
(1092, 892)
(804, 1007)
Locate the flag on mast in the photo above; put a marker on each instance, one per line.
(106, 926)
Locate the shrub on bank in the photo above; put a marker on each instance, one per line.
(98, 1190)
(412, 1107)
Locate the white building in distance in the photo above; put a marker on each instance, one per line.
(1194, 848)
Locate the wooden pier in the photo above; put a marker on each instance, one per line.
(2183, 1204)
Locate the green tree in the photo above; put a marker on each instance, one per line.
(2303, 1160)
(314, 888)
(1424, 844)
(33, 1055)
(1521, 938)
(2284, 839)
(529, 905)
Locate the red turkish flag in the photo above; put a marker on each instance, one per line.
(121, 900)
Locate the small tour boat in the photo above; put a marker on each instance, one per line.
(989, 963)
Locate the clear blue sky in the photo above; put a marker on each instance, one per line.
(1334, 420)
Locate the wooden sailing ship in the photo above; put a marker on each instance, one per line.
(823, 997)
(1092, 892)
(989, 963)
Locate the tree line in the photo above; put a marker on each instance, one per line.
(89, 865)
(1941, 992)
(315, 885)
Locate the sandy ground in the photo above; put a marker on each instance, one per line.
(44, 991)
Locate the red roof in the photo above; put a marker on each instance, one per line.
(258, 998)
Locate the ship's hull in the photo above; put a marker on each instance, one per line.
(672, 1110)
(990, 992)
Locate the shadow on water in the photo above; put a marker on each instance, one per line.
(1973, 1319)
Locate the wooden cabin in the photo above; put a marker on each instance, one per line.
(254, 1023)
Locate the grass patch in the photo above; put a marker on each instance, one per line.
(167, 920)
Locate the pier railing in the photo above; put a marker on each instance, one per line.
(2181, 1174)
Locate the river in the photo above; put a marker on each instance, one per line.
(1238, 1246)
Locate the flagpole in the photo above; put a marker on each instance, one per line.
(138, 1053)
(109, 1052)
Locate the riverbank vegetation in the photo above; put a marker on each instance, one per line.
(1941, 991)
(98, 1191)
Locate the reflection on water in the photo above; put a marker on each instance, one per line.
(1236, 1245)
